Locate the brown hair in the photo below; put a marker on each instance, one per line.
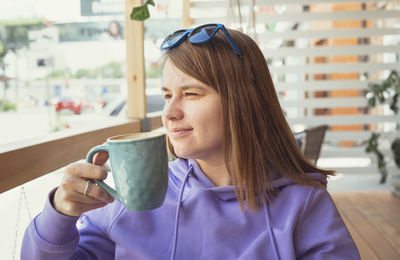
(259, 145)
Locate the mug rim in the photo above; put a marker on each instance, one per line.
(146, 136)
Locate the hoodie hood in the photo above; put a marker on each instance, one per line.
(198, 180)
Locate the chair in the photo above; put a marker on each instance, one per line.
(310, 141)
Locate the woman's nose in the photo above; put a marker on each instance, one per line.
(173, 110)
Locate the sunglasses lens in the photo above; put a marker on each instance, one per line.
(202, 33)
(173, 39)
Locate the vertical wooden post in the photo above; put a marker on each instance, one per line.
(186, 20)
(135, 70)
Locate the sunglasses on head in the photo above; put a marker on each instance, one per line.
(198, 35)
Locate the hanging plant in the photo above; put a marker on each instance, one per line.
(141, 13)
(386, 92)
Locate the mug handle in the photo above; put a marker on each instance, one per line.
(89, 159)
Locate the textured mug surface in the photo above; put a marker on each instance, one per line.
(139, 164)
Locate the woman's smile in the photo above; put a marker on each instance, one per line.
(179, 132)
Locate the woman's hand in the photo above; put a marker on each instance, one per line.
(69, 199)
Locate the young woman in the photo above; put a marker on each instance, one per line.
(240, 188)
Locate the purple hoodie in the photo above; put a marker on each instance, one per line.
(198, 221)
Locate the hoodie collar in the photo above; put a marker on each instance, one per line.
(198, 180)
(225, 193)
(199, 175)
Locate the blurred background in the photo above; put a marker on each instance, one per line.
(63, 61)
(334, 63)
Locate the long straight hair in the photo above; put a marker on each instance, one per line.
(258, 143)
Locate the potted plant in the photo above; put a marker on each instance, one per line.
(386, 92)
(396, 179)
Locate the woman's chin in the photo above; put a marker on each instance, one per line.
(185, 152)
(184, 155)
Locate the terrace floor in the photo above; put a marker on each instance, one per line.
(373, 219)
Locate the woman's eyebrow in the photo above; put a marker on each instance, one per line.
(194, 86)
(186, 87)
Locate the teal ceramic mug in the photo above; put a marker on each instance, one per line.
(139, 165)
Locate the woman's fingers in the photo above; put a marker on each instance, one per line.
(87, 171)
(100, 158)
(77, 177)
(95, 192)
(85, 199)
(70, 199)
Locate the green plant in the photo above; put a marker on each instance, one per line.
(396, 151)
(389, 88)
(112, 70)
(6, 105)
(141, 13)
(1, 48)
(380, 93)
(59, 74)
(373, 147)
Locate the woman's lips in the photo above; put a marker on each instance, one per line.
(179, 132)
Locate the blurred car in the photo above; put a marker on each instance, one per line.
(118, 108)
(70, 104)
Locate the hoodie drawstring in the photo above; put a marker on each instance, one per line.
(178, 208)
(270, 233)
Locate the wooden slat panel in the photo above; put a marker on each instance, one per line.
(223, 3)
(332, 16)
(325, 102)
(320, 34)
(373, 169)
(328, 51)
(305, 17)
(360, 170)
(316, 85)
(334, 68)
(348, 152)
(310, 1)
(353, 135)
(342, 120)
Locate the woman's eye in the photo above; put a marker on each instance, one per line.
(167, 96)
(191, 94)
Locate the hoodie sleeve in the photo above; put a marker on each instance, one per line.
(52, 235)
(321, 232)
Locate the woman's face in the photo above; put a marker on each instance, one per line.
(192, 115)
